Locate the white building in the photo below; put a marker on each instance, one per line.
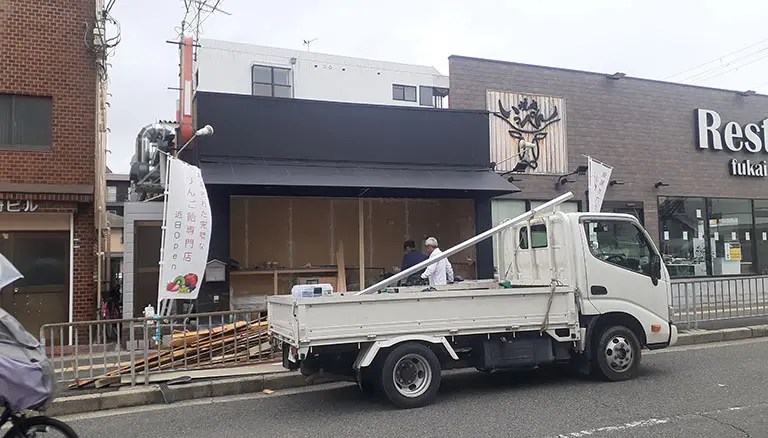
(229, 67)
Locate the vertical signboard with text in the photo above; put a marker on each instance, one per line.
(186, 233)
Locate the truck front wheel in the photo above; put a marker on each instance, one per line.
(617, 356)
(410, 375)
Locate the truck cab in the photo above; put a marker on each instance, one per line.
(609, 258)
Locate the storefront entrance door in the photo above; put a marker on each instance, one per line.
(42, 296)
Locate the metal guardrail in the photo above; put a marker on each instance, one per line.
(130, 351)
(715, 299)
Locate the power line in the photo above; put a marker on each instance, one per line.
(696, 76)
(732, 69)
(719, 58)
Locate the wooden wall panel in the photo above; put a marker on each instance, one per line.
(458, 224)
(387, 233)
(238, 233)
(311, 232)
(269, 236)
(345, 230)
(423, 221)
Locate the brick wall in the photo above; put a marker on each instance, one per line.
(644, 129)
(44, 53)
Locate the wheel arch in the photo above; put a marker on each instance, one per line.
(370, 352)
(603, 321)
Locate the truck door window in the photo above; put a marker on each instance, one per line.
(619, 243)
(538, 236)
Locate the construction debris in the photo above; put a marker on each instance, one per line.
(244, 342)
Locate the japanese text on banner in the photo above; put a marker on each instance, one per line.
(187, 233)
(599, 178)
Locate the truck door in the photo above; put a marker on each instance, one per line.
(623, 268)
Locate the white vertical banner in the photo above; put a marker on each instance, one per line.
(186, 233)
(599, 178)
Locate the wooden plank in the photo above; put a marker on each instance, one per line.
(233, 338)
(361, 239)
(341, 282)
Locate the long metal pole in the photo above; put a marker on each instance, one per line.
(466, 244)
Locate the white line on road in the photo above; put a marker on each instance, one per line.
(642, 423)
(651, 422)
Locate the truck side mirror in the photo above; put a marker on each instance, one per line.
(655, 268)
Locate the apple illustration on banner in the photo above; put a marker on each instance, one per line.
(183, 284)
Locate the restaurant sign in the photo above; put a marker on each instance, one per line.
(732, 137)
(17, 206)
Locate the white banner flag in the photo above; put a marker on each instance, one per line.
(599, 178)
(8, 272)
(187, 233)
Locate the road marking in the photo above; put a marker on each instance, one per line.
(610, 429)
(651, 422)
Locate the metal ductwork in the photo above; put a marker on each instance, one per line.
(148, 163)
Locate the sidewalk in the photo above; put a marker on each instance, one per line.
(272, 376)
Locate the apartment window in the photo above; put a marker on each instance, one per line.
(270, 81)
(406, 93)
(25, 122)
(426, 96)
(111, 194)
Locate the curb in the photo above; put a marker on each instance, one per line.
(693, 337)
(164, 394)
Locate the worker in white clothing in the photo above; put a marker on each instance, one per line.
(439, 273)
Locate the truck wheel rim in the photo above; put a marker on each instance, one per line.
(619, 354)
(412, 375)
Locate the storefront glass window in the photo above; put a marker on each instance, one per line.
(761, 235)
(502, 209)
(683, 239)
(730, 236)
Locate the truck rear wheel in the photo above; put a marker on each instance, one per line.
(617, 356)
(410, 375)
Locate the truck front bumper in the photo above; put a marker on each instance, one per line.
(672, 334)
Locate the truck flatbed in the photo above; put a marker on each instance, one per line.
(487, 308)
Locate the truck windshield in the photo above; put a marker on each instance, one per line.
(619, 243)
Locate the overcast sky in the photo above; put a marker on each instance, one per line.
(647, 38)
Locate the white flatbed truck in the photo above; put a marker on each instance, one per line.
(585, 289)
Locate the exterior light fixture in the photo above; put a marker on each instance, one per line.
(520, 166)
(746, 93)
(660, 184)
(615, 182)
(205, 131)
(581, 169)
(616, 76)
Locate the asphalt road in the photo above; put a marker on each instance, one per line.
(716, 390)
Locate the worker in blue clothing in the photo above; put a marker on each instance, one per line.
(411, 256)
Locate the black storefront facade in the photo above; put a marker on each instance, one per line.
(689, 161)
(301, 189)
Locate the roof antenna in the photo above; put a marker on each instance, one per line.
(308, 42)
